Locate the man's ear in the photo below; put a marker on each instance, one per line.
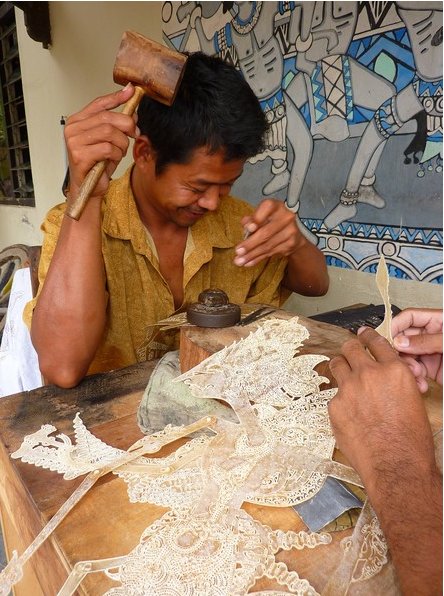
(143, 152)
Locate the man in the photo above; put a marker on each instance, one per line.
(381, 426)
(148, 243)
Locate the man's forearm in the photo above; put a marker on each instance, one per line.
(307, 272)
(69, 317)
(381, 425)
(410, 513)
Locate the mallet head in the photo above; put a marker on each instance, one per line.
(150, 65)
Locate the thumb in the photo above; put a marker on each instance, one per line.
(423, 343)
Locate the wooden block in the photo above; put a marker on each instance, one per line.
(190, 352)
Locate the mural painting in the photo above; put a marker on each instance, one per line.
(353, 95)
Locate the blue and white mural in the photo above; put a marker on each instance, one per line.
(353, 95)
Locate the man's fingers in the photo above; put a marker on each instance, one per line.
(377, 345)
(272, 230)
(423, 343)
(272, 210)
(102, 133)
(340, 368)
(105, 102)
(103, 123)
(267, 241)
(416, 366)
(264, 211)
(422, 384)
(428, 319)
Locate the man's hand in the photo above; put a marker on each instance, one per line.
(95, 134)
(273, 231)
(417, 335)
(378, 416)
(380, 424)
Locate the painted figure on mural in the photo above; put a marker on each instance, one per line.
(422, 97)
(251, 36)
(332, 83)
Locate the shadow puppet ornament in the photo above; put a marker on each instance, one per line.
(277, 453)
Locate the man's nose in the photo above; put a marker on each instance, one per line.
(210, 199)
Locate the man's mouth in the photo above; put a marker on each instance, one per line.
(197, 212)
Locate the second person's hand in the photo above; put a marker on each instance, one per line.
(417, 335)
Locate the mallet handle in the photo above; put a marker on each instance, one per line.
(75, 209)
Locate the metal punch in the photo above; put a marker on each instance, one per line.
(256, 314)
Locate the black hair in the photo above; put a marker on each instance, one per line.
(214, 108)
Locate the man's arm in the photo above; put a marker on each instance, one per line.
(380, 424)
(273, 231)
(70, 314)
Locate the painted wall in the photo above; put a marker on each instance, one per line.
(353, 94)
(78, 67)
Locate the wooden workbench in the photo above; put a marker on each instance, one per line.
(104, 523)
(30, 496)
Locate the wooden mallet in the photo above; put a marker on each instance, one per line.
(156, 71)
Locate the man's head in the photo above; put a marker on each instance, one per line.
(214, 108)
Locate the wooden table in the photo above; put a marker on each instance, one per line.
(30, 496)
(104, 523)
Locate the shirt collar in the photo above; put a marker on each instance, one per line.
(121, 220)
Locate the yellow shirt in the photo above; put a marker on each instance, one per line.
(138, 295)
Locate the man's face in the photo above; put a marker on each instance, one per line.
(183, 193)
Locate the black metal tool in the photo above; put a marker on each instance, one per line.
(256, 314)
(213, 309)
